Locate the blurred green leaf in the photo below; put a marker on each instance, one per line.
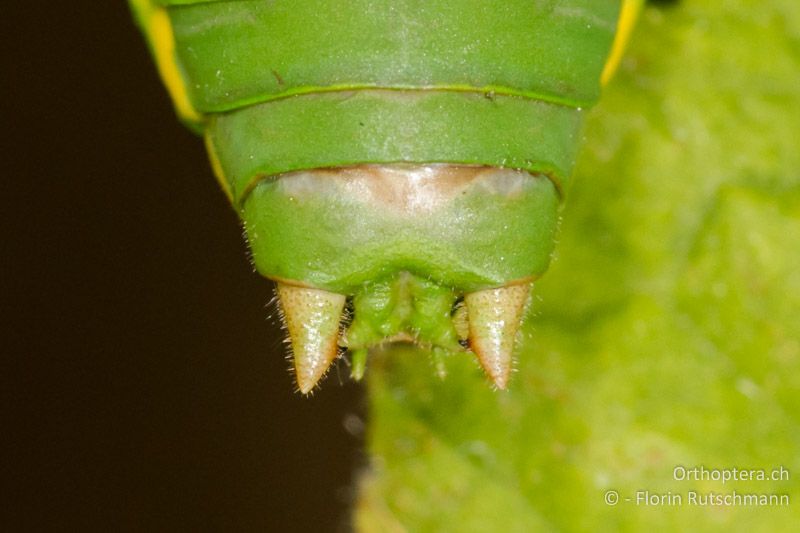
(667, 331)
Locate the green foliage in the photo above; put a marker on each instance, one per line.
(666, 332)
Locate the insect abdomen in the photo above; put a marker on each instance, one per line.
(331, 95)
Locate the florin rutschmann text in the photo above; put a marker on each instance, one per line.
(702, 475)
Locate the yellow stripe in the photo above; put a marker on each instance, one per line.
(627, 20)
(157, 25)
(217, 166)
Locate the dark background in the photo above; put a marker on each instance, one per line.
(143, 382)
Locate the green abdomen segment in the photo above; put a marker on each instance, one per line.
(467, 228)
(236, 53)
